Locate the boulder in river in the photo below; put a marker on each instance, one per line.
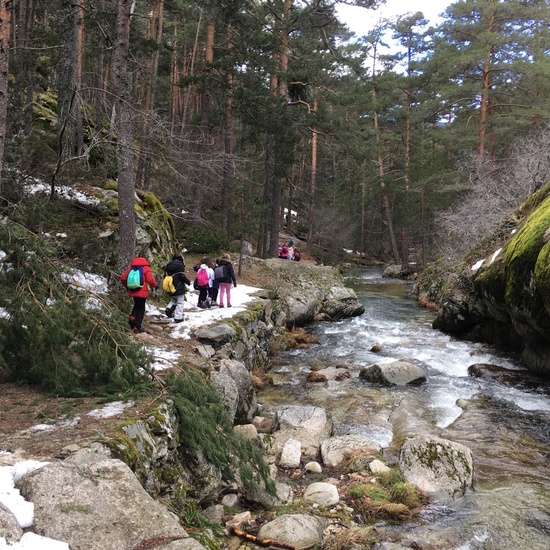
(397, 373)
(440, 468)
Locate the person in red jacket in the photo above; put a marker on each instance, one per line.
(139, 295)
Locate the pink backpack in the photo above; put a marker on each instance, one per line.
(202, 277)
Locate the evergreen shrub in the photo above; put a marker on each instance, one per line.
(206, 240)
(65, 339)
(205, 425)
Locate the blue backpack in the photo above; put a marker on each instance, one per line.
(135, 278)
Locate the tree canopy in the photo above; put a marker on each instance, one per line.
(233, 112)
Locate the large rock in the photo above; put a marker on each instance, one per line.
(291, 454)
(397, 373)
(215, 334)
(260, 495)
(299, 530)
(308, 293)
(336, 450)
(248, 402)
(323, 494)
(504, 298)
(93, 502)
(234, 385)
(9, 528)
(440, 468)
(307, 424)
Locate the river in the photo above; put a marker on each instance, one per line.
(507, 427)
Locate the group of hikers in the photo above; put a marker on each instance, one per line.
(212, 277)
(287, 251)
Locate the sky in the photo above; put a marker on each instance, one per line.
(361, 20)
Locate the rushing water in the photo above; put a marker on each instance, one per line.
(506, 427)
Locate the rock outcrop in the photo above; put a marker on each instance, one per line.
(501, 294)
(307, 293)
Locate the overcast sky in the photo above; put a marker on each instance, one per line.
(361, 20)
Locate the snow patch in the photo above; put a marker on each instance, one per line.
(10, 497)
(477, 265)
(494, 256)
(111, 409)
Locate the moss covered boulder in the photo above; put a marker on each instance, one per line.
(504, 292)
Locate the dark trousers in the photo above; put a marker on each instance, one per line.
(138, 312)
(203, 293)
(213, 291)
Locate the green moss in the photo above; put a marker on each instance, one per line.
(152, 205)
(388, 479)
(526, 256)
(433, 454)
(110, 185)
(82, 508)
(405, 493)
(44, 108)
(369, 490)
(534, 200)
(125, 449)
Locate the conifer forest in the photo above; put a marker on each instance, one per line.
(248, 117)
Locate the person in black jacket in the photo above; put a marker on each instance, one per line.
(176, 268)
(225, 278)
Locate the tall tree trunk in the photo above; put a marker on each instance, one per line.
(385, 202)
(191, 73)
(79, 129)
(313, 184)
(5, 28)
(264, 230)
(120, 90)
(484, 102)
(23, 85)
(70, 63)
(175, 90)
(228, 146)
(201, 183)
(144, 163)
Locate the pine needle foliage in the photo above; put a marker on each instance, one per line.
(61, 336)
(205, 425)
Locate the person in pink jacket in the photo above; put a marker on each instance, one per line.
(139, 295)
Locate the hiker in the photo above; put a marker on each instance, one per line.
(176, 269)
(205, 274)
(296, 256)
(284, 251)
(215, 288)
(290, 252)
(137, 279)
(226, 276)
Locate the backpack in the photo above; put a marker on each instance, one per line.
(202, 277)
(168, 284)
(135, 278)
(220, 272)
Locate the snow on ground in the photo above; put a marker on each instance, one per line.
(194, 318)
(63, 191)
(30, 541)
(22, 509)
(111, 409)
